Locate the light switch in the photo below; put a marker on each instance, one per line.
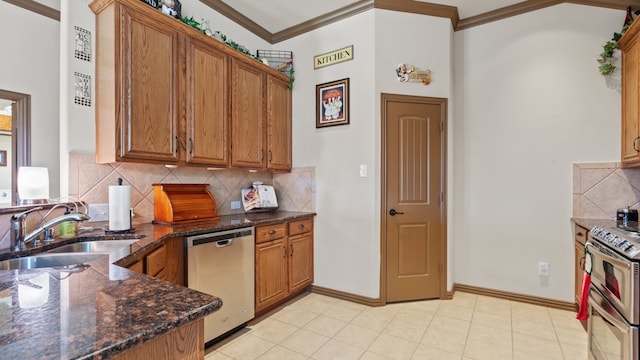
(363, 170)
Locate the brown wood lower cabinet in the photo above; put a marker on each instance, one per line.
(185, 342)
(284, 262)
(165, 262)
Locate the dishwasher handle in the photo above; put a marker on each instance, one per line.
(224, 243)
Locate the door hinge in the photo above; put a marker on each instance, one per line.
(441, 197)
(440, 268)
(441, 126)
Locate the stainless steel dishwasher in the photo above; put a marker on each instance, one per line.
(222, 264)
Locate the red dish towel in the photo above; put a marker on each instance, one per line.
(583, 314)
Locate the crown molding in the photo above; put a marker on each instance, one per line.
(323, 20)
(37, 8)
(533, 5)
(239, 19)
(506, 12)
(408, 6)
(422, 8)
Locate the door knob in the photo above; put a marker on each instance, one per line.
(393, 212)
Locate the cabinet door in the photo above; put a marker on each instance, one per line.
(630, 96)
(271, 273)
(300, 261)
(247, 115)
(206, 104)
(278, 124)
(174, 269)
(148, 99)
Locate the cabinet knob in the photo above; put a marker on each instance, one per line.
(301, 226)
(190, 146)
(271, 232)
(635, 143)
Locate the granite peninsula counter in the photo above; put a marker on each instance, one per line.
(98, 310)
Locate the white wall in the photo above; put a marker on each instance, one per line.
(425, 42)
(347, 227)
(529, 102)
(346, 251)
(30, 65)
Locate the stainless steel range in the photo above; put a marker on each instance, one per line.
(614, 301)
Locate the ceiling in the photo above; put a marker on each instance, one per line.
(278, 20)
(278, 15)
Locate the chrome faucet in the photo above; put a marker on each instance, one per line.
(19, 235)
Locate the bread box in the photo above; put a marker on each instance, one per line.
(181, 203)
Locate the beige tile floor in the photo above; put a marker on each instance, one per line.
(469, 327)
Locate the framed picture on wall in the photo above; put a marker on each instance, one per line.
(3, 157)
(332, 103)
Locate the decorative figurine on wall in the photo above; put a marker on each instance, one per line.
(172, 8)
(411, 74)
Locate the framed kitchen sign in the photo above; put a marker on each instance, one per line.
(332, 103)
(3, 157)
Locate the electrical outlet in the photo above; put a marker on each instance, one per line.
(98, 212)
(543, 268)
(235, 205)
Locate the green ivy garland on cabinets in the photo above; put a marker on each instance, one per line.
(606, 57)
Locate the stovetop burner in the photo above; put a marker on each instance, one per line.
(625, 241)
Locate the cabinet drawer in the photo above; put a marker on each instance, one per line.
(137, 266)
(581, 234)
(272, 232)
(300, 226)
(156, 261)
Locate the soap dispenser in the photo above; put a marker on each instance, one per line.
(67, 228)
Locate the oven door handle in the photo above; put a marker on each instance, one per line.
(610, 257)
(613, 319)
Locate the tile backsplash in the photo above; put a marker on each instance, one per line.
(599, 189)
(90, 182)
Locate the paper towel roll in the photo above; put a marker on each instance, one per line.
(119, 205)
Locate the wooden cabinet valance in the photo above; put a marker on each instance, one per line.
(168, 94)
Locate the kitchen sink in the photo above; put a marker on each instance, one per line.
(49, 261)
(117, 249)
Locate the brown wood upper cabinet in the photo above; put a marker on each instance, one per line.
(168, 94)
(630, 46)
(247, 115)
(260, 119)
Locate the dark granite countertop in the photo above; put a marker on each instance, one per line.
(590, 223)
(99, 309)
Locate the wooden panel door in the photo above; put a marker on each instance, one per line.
(300, 261)
(206, 102)
(414, 188)
(271, 273)
(247, 115)
(278, 124)
(630, 98)
(148, 99)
